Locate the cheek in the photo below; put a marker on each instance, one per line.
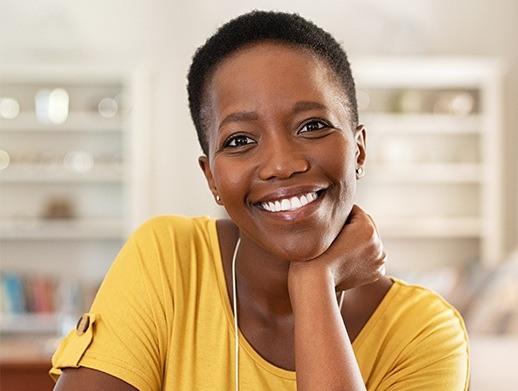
(231, 180)
(341, 164)
(349, 184)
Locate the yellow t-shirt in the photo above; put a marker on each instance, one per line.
(162, 320)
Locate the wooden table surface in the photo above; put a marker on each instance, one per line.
(25, 362)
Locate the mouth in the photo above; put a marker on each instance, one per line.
(290, 204)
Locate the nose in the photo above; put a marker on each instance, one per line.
(282, 160)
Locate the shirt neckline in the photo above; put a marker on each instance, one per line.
(225, 300)
(377, 315)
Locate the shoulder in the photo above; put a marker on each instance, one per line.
(420, 338)
(173, 228)
(425, 316)
(174, 223)
(162, 241)
(415, 299)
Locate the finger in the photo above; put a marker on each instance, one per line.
(382, 270)
(356, 214)
(374, 225)
(360, 221)
(360, 212)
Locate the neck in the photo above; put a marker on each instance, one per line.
(262, 279)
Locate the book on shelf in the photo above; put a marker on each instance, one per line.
(12, 294)
(40, 294)
(32, 294)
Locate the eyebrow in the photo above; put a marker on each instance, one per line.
(306, 106)
(240, 116)
(244, 116)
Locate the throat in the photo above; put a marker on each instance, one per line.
(272, 338)
(264, 311)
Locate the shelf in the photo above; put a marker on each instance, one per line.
(73, 229)
(78, 121)
(46, 173)
(68, 192)
(422, 123)
(454, 173)
(433, 72)
(29, 323)
(434, 133)
(429, 227)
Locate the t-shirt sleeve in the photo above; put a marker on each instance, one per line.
(125, 334)
(436, 354)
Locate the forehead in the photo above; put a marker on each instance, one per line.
(268, 46)
(263, 54)
(271, 66)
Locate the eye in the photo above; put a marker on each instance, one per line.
(313, 125)
(240, 140)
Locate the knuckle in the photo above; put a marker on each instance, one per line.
(383, 257)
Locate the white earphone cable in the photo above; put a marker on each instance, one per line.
(234, 300)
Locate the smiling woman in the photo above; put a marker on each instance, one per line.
(257, 301)
(272, 138)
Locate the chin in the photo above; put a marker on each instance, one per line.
(304, 253)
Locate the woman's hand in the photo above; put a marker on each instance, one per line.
(324, 357)
(356, 257)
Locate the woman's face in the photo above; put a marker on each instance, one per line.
(282, 154)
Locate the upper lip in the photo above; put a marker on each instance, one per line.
(287, 192)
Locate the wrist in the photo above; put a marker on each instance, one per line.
(307, 283)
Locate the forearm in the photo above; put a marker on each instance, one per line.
(324, 358)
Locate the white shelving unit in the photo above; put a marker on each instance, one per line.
(434, 174)
(70, 190)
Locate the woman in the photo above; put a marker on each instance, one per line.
(273, 102)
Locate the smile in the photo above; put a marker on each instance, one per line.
(289, 204)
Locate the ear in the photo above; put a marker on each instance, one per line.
(360, 138)
(203, 161)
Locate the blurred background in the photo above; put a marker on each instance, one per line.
(95, 137)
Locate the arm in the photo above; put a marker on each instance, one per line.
(87, 379)
(128, 321)
(324, 357)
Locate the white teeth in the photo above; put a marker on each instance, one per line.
(291, 204)
(295, 203)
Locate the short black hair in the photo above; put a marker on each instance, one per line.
(257, 26)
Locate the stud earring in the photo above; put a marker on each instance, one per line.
(218, 198)
(359, 172)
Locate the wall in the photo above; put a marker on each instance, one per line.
(162, 35)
